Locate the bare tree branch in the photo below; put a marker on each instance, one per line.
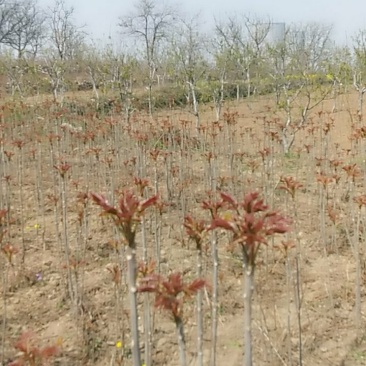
(150, 23)
(65, 36)
(28, 31)
(8, 18)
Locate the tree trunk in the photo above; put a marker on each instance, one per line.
(249, 84)
(215, 279)
(248, 291)
(195, 106)
(199, 313)
(360, 102)
(150, 99)
(181, 341)
(135, 344)
(220, 99)
(288, 140)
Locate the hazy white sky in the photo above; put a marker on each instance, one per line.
(347, 16)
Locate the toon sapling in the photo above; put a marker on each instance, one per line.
(20, 145)
(196, 230)
(292, 186)
(360, 201)
(141, 186)
(127, 216)
(8, 250)
(116, 277)
(62, 169)
(251, 223)
(170, 294)
(30, 354)
(214, 206)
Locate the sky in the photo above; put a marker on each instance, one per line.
(347, 16)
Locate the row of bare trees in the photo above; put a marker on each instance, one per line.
(36, 42)
(160, 47)
(26, 28)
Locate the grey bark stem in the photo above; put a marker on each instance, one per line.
(248, 291)
(135, 343)
(181, 341)
(199, 313)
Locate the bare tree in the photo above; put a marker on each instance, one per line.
(298, 69)
(28, 30)
(149, 23)
(257, 31)
(339, 70)
(65, 37)
(232, 36)
(222, 65)
(8, 18)
(359, 69)
(14, 73)
(65, 44)
(94, 66)
(188, 57)
(122, 66)
(112, 70)
(54, 70)
(245, 36)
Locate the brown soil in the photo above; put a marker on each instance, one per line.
(36, 293)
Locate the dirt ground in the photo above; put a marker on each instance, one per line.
(33, 295)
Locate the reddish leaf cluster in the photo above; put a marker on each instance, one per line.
(195, 229)
(31, 354)
(214, 206)
(360, 200)
(115, 271)
(324, 180)
(251, 223)
(359, 133)
(62, 168)
(230, 117)
(290, 185)
(146, 269)
(333, 214)
(154, 154)
(170, 293)
(8, 154)
(74, 263)
(141, 184)
(3, 214)
(264, 153)
(127, 215)
(285, 246)
(353, 171)
(9, 251)
(18, 143)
